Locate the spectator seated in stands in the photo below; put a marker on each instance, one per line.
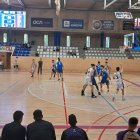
(85, 48)
(74, 132)
(40, 129)
(14, 130)
(129, 133)
(26, 45)
(1, 65)
(57, 49)
(72, 53)
(37, 54)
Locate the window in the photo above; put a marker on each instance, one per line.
(107, 42)
(25, 38)
(46, 40)
(68, 40)
(88, 41)
(5, 37)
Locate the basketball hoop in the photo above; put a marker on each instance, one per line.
(134, 5)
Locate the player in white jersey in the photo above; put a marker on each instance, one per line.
(88, 81)
(119, 82)
(107, 69)
(33, 68)
(53, 69)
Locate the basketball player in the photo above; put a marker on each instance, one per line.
(119, 82)
(88, 81)
(59, 69)
(98, 68)
(105, 78)
(53, 72)
(33, 68)
(94, 80)
(107, 69)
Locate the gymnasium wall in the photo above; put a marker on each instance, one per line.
(1, 37)
(77, 39)
(78, 36)
(77, 65)
(87, 16)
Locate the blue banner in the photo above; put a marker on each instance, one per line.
(73, 23)
(42, 22)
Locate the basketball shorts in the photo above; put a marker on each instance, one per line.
(105, 81)
(88, 81)
(54, 70)
(60, 70)
(93, 81)
(119, 85)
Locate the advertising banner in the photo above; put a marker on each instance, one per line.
(103, 25)
(73, 23)
(42, 22)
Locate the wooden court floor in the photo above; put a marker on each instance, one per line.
(100, 117)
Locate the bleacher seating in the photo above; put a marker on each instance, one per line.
(68, 52)
(135, 54)
(20, 51)
(113, 53)
(51, 51)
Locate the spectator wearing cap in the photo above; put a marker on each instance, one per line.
(132, 124)
(74, 132)
(14, 130)
(40, 129)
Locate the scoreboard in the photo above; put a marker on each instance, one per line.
(13, 19)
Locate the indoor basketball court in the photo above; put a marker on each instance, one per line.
(80, 33)
(100, 117)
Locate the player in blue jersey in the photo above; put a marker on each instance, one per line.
(59, 69)
(98, 68)
(105, 78)
(74, 132)
(90, 80)
(93, 80)
(53, 68)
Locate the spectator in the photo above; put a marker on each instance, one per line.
(1, 65)
(85, 48)
(16, 64)
(40, 129)
(132, 124)
(14, 130)
(74, 132)
(138, 131)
